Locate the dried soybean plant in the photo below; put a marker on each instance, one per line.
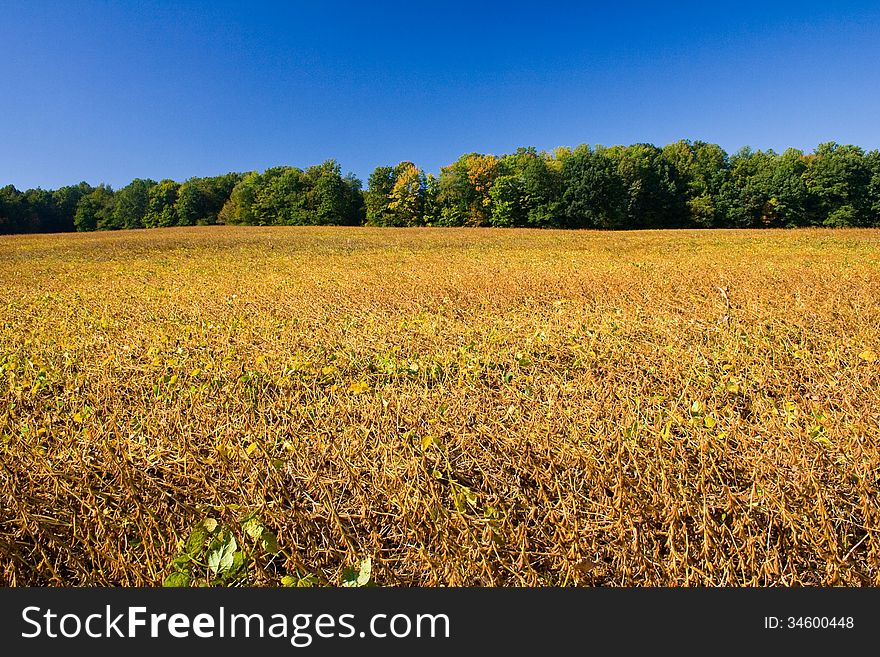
(325, 406)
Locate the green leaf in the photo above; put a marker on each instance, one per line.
(306, 581)
(177, 579)
(349, 576)
(360, 577)
(458, 500)
(252, 526)
(365, 571)
(471, 498)
(462, 496)
(269, 542)
(181, 561)
(222, 558)
(195, 543)
(239, 561)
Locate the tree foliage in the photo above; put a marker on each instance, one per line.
(684, 184)
(289, 196)
(396, 196)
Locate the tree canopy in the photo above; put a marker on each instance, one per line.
(684, 184)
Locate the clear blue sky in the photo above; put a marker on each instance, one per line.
(109, 91)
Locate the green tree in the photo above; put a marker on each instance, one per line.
(39, 212)
(872, 201)
(464, 190)
(542, 187)
(838, 178)
(12, 211)
(407, 199)
(508, 202)
(377, 198)
(534, 198)
(161, 205)
(131, 205)
(199, 200)
(396, 196)
(698, 171)
(785, 191)
(239, 207)
(432, 213)
(355, 210)
(766, 189)
(95, 210)
(652, 199)
(281, 197)
(66, 199)
(290, 196)
(743, 195)
(594, 193)
(330, 197)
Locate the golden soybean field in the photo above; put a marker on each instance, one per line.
(325, 406)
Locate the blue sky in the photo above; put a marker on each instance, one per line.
(109, 91)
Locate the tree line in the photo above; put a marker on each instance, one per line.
(683, 184)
